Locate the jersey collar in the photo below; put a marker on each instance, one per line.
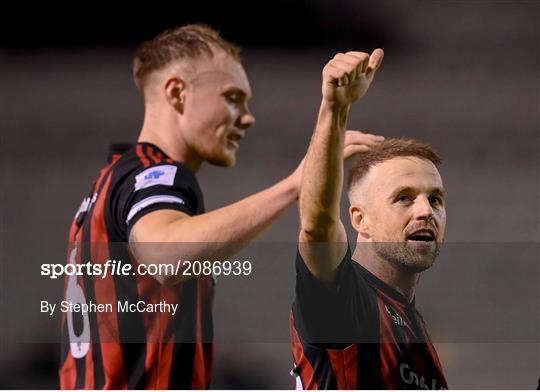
(385, 287)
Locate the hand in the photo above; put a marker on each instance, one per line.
(348, 75)
(355, 142)
(358, 142)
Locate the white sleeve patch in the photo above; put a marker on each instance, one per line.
(152, 200)
(157, 175)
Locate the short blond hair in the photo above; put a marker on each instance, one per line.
(187, 42)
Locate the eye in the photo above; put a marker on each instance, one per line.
(436, 201)
(404, 198)
(233, 98)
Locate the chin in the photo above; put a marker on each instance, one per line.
(419, 264)
(413, 258)
(223, 160)
(421, 259)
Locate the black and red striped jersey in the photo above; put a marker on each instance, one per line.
(358, 333)
(135, 350)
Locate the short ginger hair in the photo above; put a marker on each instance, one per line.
(191, 41)
(386, 150)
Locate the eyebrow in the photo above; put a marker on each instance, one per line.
(439, 192)
(237, 90)
(434, 191)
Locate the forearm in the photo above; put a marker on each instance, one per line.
(239, 222)
(166, 236)
(322, 179)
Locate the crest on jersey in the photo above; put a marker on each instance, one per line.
(396, 317)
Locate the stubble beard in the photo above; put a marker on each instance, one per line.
(401, 254)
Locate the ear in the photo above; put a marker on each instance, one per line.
(175, 93)
(359, 221)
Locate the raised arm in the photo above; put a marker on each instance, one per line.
(322, 238)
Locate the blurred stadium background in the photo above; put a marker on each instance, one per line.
(463, 76)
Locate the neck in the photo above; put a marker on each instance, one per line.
(163, 130)
(399, 278)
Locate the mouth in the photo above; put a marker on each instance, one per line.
(424, 235)
(233, 139)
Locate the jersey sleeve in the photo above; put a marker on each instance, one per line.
(165, 186)
(332, 315)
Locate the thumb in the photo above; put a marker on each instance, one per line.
(375, 60)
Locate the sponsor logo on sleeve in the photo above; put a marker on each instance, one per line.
(157, 175)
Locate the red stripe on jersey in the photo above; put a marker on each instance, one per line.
(161, 157)
(336, 358)
(104, 291)
(158, 327)
(307, 375)
(150, 361)
(68, 373)
(166, 355)
(153, 155)
(89, 381)
(387, 349)
(74, 231)
(99, 253)
(420, 350)
(158, 364)
(200, 378)
(351, 364)
(344, 366)
(160, 341)
(144, 160)
(158, 355)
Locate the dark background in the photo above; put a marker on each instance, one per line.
(463, 76)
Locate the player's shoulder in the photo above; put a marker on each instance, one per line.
(145, 165)
(352, 279)
(143, 179)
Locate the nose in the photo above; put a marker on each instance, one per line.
(246, 119)
(423, 209)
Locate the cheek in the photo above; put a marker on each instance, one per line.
(214, 128)
(222, 122)
(441, 220)
(393, 221)
(211, 112)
